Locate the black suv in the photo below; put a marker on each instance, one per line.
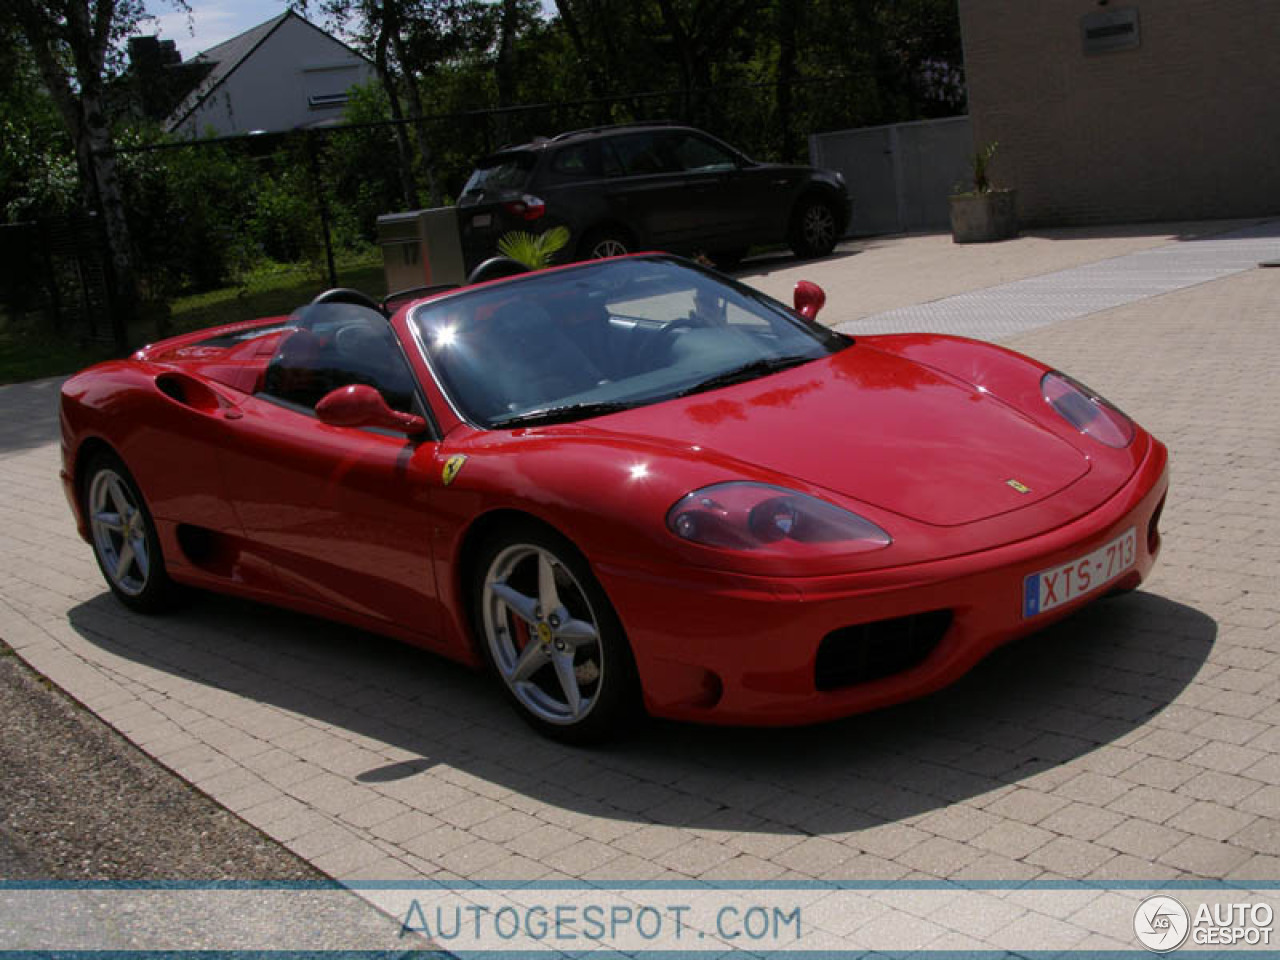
(650, 187)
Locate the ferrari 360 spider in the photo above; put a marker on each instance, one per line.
(623, 485)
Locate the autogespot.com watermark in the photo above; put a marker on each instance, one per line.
(567, 924)
(1161, 924)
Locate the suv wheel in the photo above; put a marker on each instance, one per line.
(813, 228)
(606, 242)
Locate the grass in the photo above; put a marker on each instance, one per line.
(274, 290)
(30, 349)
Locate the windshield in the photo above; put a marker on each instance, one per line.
(602, 337)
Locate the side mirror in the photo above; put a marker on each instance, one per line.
(809, 298)
(359, 405)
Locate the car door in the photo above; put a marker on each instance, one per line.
(342, 513)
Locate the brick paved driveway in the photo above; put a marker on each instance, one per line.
(1139, 740)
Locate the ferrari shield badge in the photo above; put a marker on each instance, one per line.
(452, 467)
(1016, 484)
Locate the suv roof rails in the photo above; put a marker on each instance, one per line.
(615, 126)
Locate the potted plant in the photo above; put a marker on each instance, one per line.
(983, 213)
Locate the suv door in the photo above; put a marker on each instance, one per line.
(645, 188)
(717, 197)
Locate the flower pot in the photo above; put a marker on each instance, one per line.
(983, 217)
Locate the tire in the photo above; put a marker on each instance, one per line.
(606, 242)
(567, 670)
(813, 228)
(124, 536)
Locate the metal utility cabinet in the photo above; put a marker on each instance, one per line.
(421, 248)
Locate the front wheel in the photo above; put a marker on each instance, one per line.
(125, 543)
(813, 228)
(553, 638)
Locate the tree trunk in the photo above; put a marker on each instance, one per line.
(408, 185)
(81, 105)
(414, 99)
(684, 55)
(106, 183)
(506, 67)
(788, 26)
(595, 82)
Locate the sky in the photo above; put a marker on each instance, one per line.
(209, 22)
(212, 21)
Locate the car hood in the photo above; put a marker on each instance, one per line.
(878, 428)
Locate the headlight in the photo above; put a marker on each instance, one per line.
(758, 516)
(1086, 411)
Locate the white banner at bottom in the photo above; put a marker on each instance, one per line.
(637, 919)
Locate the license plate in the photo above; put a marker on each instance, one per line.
(1058, 585)
(482, 220)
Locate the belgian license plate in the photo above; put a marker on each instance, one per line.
(482, 220)
(1058, 585)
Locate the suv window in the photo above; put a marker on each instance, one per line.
(636, 155)
(580, 162)
(505, 171)
(335, 345)
(696, 154)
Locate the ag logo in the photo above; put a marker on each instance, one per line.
(1161, 924)
(451, 468)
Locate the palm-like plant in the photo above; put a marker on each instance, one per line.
(980, 162)
(534, 250)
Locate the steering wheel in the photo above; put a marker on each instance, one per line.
(678, 324)
(495, 268)
(347, 295)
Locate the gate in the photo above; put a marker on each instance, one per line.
(899, 175)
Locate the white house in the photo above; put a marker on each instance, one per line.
(280, 75)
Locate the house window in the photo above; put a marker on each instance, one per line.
(322, 101)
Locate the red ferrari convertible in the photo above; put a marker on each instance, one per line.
(621, 485)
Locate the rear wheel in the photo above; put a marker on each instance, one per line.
(553, 638)
(125, 543)
(607, 242)
(813, 228)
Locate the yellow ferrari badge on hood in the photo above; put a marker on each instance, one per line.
(451, 468)
(1017, 485)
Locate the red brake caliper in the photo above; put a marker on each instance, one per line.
(521, 635)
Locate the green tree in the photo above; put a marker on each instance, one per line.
(74, 45)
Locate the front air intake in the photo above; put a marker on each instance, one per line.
(872, 651)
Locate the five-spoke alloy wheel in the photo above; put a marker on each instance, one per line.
(124, 538)
(553, 638)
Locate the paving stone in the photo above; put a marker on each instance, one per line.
(1081, 821)
(1013, 839)
(1026, 806)
(1142, 839)
(1211, 820)
(1205, 858)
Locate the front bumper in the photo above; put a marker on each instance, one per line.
(732, 649)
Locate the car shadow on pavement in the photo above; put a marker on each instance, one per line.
(1019, 716)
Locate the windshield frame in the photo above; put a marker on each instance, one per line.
(828, 339)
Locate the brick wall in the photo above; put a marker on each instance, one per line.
(1185, 126)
